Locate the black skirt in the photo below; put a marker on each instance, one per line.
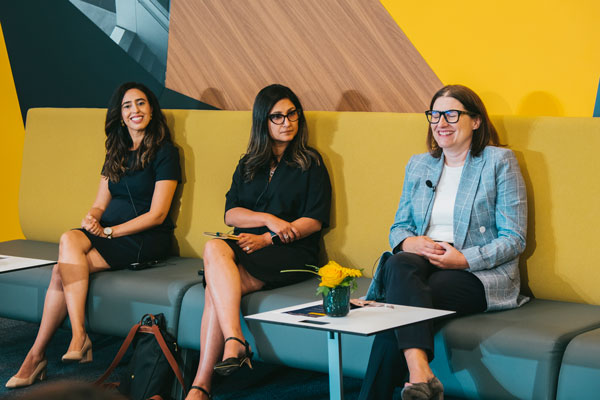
(267, 263)
(121, 252)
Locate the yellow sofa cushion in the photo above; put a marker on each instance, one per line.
(365, 154)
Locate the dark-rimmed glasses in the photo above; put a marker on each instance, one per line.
(451, 116)
(278, 118)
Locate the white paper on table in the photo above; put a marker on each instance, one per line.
(12, 263)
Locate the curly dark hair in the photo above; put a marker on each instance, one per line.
(260, 147)
(118, 140)
(483, 136)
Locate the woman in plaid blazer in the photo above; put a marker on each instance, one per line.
(457, 236)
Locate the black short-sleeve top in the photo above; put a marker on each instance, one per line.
(291, 194)
(132, 194)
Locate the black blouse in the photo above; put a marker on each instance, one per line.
(291, 194)
(132, 195)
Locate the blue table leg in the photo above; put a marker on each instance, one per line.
(336, 381)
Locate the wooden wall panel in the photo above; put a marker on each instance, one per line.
(346, 55)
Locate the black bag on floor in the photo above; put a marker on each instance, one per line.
(153, 365)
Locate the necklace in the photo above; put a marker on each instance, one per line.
(274, 164)
(273, 168)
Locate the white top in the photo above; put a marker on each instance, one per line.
(441, 224)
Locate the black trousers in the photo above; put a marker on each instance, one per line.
(412, 281)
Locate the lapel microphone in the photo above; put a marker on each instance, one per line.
(429, 185)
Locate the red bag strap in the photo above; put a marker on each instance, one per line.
(120, 353)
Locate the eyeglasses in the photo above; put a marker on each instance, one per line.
(451, 116)
(279, 119)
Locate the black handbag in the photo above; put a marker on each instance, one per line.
(153, 365)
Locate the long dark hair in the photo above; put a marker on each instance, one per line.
(483, 136)
(118, 140)
(260, 147)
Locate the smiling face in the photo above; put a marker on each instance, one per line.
(283, 134)
(136, 111)
(454, 139)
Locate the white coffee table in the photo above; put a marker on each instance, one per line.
(12, 263)
(364, 321)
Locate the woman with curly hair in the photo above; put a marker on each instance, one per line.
(127, 224)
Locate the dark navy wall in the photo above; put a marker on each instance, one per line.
(59, 58)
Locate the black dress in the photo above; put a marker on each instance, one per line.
(291, 194)
(130, 197)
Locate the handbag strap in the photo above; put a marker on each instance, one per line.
(153, 329)
(163, 346)
(120, 353)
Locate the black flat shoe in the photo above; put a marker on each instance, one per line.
(200, 388)
(232, 364)
(432, 390)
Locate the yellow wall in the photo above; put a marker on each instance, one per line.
(11, 148)
(523, 57)
(538, 57)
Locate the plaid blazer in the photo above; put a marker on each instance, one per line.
(490, 218)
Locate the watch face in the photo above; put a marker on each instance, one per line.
(276, 239)
(107, 231)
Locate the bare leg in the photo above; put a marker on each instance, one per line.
(55, 304)
(226, 283)
(55, 311)
(75, 263)
(211, 348)
(418, 366)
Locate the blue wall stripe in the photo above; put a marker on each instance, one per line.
(597, 107)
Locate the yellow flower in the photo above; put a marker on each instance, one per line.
(333, 274)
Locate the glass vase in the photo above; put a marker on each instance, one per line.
(336, 303)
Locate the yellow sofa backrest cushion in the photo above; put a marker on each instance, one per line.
(365, 154)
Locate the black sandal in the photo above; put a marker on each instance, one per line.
(200, 388)
(232, 364)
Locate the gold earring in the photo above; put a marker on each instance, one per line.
(122, 123)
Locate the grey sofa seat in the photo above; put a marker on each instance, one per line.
(116, 299)
(294, 347)
(22, 293)
(580, 369)
(514, 354)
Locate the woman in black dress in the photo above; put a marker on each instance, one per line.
(127, 224)
(279, 201)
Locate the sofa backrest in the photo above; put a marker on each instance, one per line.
(365, 154)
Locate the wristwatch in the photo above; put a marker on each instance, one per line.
(275, 239)
(108, 232)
